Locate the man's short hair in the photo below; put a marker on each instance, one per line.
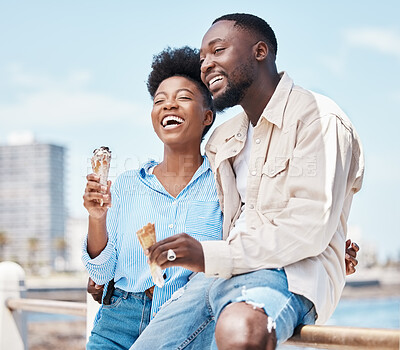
(254, 24)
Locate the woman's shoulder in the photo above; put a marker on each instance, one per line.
(132, 175)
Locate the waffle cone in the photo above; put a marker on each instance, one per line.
(147, 237)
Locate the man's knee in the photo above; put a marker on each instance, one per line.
(241, 326)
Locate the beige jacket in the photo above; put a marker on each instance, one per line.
(306, 163)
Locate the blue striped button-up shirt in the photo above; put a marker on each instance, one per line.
(139, 198)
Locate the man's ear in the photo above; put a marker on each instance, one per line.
(261, 51)
(208, 117)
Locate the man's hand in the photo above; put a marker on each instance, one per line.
(189, 252)
(95, 290)
(350, 257)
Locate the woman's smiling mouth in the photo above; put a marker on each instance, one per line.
(171, 121)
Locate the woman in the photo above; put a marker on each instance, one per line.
(170, 193)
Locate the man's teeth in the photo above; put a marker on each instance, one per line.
(213, 80)
(172, 118)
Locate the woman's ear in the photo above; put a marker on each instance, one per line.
(208, 117)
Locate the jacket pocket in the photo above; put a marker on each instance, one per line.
(275, 166)
(272, 196)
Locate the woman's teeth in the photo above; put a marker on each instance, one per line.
(171, 120)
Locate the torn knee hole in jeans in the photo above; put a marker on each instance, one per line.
(271, 324)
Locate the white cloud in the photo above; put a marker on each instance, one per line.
(59, 106)
(18, 77)
(383, 40)
(46, 101)
(22, 137)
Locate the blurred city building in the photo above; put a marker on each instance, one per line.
(32, 205)
(76, 230)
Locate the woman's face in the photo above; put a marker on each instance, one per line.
(179, 114)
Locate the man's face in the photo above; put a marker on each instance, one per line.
(227, 63)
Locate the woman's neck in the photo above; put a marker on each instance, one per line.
(177, 169)
(182, 164)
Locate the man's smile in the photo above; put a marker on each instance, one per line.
(215, 79)
(215, 82)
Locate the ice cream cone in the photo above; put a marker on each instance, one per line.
(147, 237)
(101, 164)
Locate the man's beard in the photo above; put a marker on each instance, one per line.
(236, 88)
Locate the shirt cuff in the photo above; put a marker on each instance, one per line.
(217, 259)
(100, 259)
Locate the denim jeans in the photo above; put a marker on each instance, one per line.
(121, 322)
(187, 320)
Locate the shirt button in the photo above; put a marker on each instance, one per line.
(258, 141)
(254, 173)
(253, 227)
(171, 225)
(251, 206)
(239, 134)
(174, 202)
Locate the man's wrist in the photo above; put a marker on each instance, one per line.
(217, 259)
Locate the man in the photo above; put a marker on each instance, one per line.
(286, 171)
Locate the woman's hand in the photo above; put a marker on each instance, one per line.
(189, 252)
(350, 257)
(95, 290)
(95, 193)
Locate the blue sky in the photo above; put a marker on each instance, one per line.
(73, 73)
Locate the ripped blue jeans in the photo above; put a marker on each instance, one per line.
(187, 320)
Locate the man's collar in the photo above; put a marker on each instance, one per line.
(273, 112)
(240, 130)
(275, 108)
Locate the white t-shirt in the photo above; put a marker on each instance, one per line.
(241, 169)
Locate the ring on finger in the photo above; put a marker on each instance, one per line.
(171, 256)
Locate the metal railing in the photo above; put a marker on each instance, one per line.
(346, 338)
(47, 306)
(13, 326)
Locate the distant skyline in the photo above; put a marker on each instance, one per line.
(73, 74)
(32, 206)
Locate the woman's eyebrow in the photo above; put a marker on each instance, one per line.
(159, 93)
(184, 89)
(177, 91)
